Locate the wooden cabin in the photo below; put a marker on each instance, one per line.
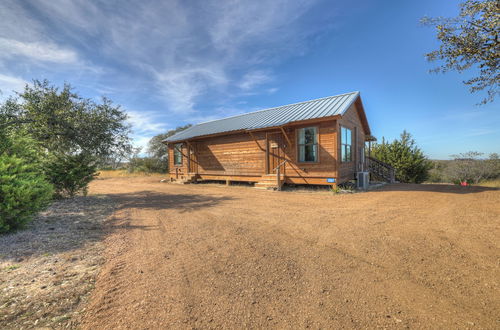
(318, 142)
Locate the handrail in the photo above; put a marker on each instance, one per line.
(379, 162)
(381, 169)
(282, 163)
(278, 175)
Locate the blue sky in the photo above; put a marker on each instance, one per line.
(169, 63)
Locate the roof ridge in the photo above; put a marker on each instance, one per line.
(272, 108)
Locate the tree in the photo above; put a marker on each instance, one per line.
(408, 160)
(24, 189)
(75, 134)
(469, 167)
(157, 149)
(471, 40)
(66, 123)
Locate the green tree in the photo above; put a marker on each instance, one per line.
(156, 147)
(471, 40)
(70, 174)
(76, 134)
(66, 123)
(24, 189)
(409, 162)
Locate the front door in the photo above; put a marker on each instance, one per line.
(193, 163)
(276, 149)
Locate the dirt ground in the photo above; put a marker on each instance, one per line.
(48, 269)
(207, 256)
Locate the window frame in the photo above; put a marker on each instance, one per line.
(178, 148)
(297, 134)
(343, 145)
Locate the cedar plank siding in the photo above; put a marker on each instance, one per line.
(241, 158)
(351, 120)
(313, 173)
(236, 154)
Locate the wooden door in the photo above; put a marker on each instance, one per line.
(193, 163)
(276, 152)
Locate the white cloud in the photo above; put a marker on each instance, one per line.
(145, 125)
(145, 121)
(39, 51)
(183, 85)
(11, 83)
(253, 79)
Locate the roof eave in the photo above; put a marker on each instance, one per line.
(298, 122)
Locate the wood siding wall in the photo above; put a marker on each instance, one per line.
(326, 167)
(237, 154)
(351, 120)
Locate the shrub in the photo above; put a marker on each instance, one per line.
(23, 191)
(147, 165)
(468, 167)
(71, 174)
(408, 160)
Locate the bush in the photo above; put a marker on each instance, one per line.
(468, 167)
(71, 174)
(23, 191)
(408, 160)
(147, 165)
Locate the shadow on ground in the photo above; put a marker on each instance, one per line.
(70, 224)
(162, 201)
(439, 188)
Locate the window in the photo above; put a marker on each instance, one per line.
(345, 144)
(178, 154)
(308, 144)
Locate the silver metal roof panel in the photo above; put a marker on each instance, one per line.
(272, 117)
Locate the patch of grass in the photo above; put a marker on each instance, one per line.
(11, 268)
(124, 173)
(490, 183)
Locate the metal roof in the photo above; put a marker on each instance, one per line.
(272, 117)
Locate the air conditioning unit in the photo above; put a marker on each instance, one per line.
(363, 180)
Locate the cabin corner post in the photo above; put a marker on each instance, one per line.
(267, 154)
(337, 159)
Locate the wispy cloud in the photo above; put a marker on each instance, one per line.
(40, 51)
(253, 79)
(145, 124)
(480, 132)
(8, 84)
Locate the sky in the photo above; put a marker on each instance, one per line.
(170, 63)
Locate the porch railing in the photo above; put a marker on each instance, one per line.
(278, 174)
(381, 169)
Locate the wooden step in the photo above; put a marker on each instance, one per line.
(261, 185)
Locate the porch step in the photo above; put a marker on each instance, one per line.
(268, 181)
(185, 179)
(265, 185)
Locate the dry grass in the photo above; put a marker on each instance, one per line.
(105, 174)
(48, 269)
(491, 183)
